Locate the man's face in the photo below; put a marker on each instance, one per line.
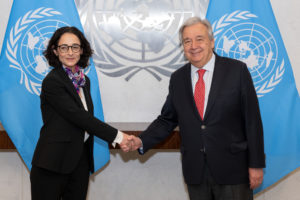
(198, 48)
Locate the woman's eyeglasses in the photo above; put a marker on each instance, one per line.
(65, 48)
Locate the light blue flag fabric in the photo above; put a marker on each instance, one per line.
(23, 67)
(247, 30)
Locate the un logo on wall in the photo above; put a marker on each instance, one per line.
(133, 36)
(254, 45)
(28, 39)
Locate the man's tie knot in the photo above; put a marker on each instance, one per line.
(201, 73)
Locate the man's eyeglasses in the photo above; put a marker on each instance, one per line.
(65, 48)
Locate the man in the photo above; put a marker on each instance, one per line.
(218, 117)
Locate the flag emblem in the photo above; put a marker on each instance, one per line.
(28, 39)
(237, 37)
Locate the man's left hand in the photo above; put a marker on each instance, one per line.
(256, 176)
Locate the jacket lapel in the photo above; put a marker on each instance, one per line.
(88, 98)
(69, 85)
(215, 86)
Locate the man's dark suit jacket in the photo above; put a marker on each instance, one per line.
(61, 141)
(231, 131)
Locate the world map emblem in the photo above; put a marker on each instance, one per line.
(134, 36)
(27, 41)
(239, 38)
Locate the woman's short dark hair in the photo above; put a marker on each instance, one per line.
(53, 44)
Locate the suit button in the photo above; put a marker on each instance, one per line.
(203, 127)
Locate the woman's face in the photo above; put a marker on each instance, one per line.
(68, 50)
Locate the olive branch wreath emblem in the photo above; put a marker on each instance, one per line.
(236, 16)
(13, 46)
(111, 67)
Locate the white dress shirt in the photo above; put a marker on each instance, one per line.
(82, 97)
(208, 75)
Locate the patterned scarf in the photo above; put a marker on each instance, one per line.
(78, 78)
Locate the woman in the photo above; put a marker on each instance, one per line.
(63, 158)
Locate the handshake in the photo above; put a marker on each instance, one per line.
(130, 143)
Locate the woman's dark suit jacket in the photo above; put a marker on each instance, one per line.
(61, 141)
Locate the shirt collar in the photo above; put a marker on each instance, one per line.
(210, 65)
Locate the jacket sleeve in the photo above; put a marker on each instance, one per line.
(253, 122)
(161, 127)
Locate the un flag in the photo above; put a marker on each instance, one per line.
(23, 67)
(247, 30)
